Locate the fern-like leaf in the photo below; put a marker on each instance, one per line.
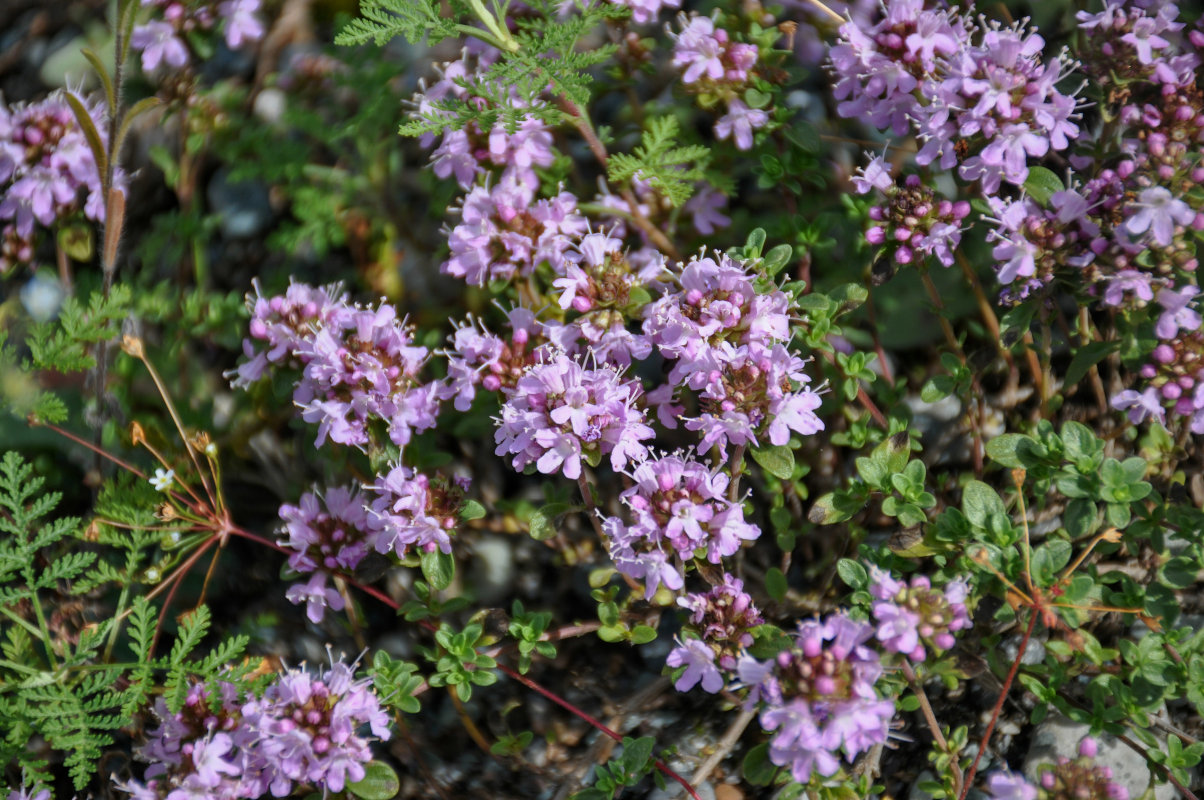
(383, 20)
(671, 170)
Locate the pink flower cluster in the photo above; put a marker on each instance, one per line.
(326, 533)
(722, 620)
(162, 41)
(1068, 778)
(48, 174)
(910, 615)
(504, 231)
(480, 358)
(412, 512)
(979, 99)
(680, 511)
(561, 411)
(468, 153)
(303, 731)
(727, 341)
(912, 223)
(818, 696)
(1174, 375)
(359, 365)
(719, 69)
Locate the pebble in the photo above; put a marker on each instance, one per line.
(491, 573)
(1033, 654)
(243, 207)
(42, 296)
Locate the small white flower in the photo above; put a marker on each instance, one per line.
(211, 450)
(163, 480)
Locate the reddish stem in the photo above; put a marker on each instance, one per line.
(1003, 693)
(560, 701)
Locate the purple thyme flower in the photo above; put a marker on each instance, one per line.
(644, 11)
(707, 56)
(705, 207)
(331, 539)
(413, 512)
(503, 231)
(910, 615)
(327, 532)
(724, 618)
(699, 660)
(159, 44)
(316, 596)
(28, 794)
(1177, 312)
(1158, 212)
(366, 368)
(1140, 405)
(739, 123)
(560, 411)
(1080, 777)
(242, 24)
(1009, 786)
(478, 357)
(306, 729)
(819, 696)
(1127, 281)
(283, 323)
(47, 173)
(679, 508)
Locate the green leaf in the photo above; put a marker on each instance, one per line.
(380, 782)
(472, 510)
(1042, 184)
(84, 119)
(1048, 559)
(439, 568)
(757, 768)
(545, 520)
(1086, 357)
(1009, 448)
(1179, 573)
(852, 573)
(777, 460)
(642, 634)
(980, 503)
(637, 753)
(671, 170)
(775, 583)
(777, 258)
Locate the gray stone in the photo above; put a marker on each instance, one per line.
(243, 207)
(1059, 736)
(1034, 653)
(492, 570)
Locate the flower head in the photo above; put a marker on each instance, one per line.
(561, 411)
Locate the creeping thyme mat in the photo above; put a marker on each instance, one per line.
(597, 399)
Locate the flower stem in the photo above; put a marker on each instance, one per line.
(995, 712)
(930, 718)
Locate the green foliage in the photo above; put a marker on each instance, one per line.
(60, 683)
(396, 681)
(671, 170)
(383, 20)
(380, 782)
(635, 762)
(888, 471)
(528, 628)
(457, 662)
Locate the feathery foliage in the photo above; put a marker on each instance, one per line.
(58, 679)
(671, 170)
